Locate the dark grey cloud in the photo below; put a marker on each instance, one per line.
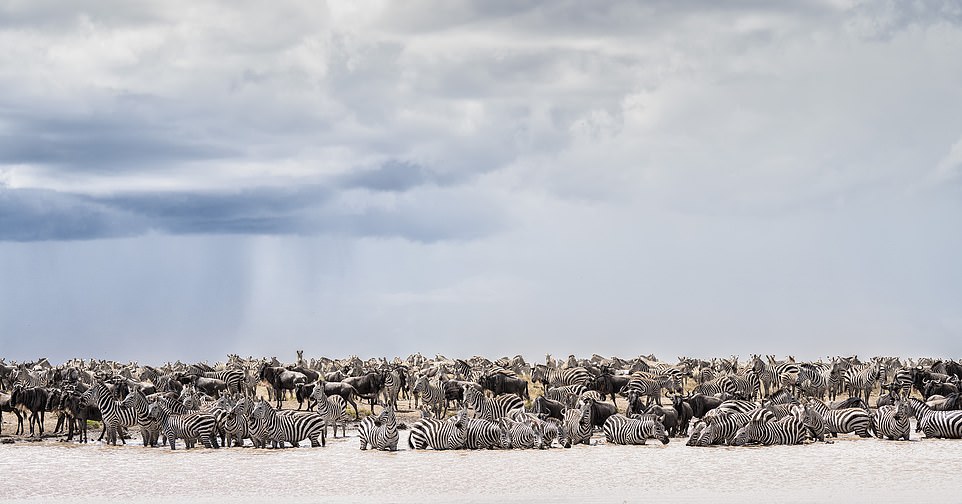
(44, 215)
(103, 143)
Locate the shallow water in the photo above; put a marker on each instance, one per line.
(851, 468)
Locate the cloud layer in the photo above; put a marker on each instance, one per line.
(485, 173)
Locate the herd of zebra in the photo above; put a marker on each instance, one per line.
(478, 403)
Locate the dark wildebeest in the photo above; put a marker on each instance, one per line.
(600, 411)
(609, 384)
(210, 386)
(701, 404)
(668, 418)
(78, 412)
(311, 375)
(547, 408)
(345, 390)
(933, 387)
(33, 400)
(500, 383)
(367, 386)
(6, 406)
(280, 379)
(684, 411)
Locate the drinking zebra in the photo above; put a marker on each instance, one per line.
(623, 430)
(787, 431)
(936, 424)
(290, 427)
(439, 434)
(521, 434)
(483, 434)
(720, 427)
(843, 420)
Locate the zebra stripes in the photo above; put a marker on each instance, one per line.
(893, 422)
(718, 427)
(936, 424)
(431, 395)
(291, 426)
(560, 377)
(379, 432)
(651, 386)
(787, 431)
(191, 427)
(439, 434)
(623, 430)
(114, 414)
(576, 426)
(494, 408)
(333, 409)
(521, 434)
(843, 420)
(483, 434)
(861, 379)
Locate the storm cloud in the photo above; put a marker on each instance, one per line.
(480, 177)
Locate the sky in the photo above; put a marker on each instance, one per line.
(188, 179)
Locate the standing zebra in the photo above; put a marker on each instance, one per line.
(114, 414)
(380, 433)
(893, 421)
(332, 408)
(936, 424)
(861, 379)
(494, 408)
(431, 395)
(391, 386)
(620, 429)
(559, 377)
(651, 387)
(290, 427)
(843, 420)
(191, 426)
(439, 434)
(149, 427)
(773, 374)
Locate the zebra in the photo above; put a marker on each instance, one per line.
(391, 386)
(576, 426)
(893, 422)
(787, 431)
(114, 414)
(191, 427)
(936, 424)
(431, 395)
(651, 387)
(149, 427)
(560, 377)
(332, 408)
(813, 379)
(291, 427)
(566, 394)
(494, 408)
(720, 427)
(439, 434)
(236, 423)
(620, 429)
(381, 432)
(521, 434)
(738, 406)
(861, 379)
(772, 373)
(483, 434)
(903, 379)
(813, 422)
(843, 420)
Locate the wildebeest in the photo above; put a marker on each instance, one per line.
(701, 404)
(32, 400)
(5, 406)
(544, 407)
(500, 383)
(210, 386)
(280, 379)
(933, 387)
(684, 411)
(609, 384)
(367, 386)
(600, 411)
